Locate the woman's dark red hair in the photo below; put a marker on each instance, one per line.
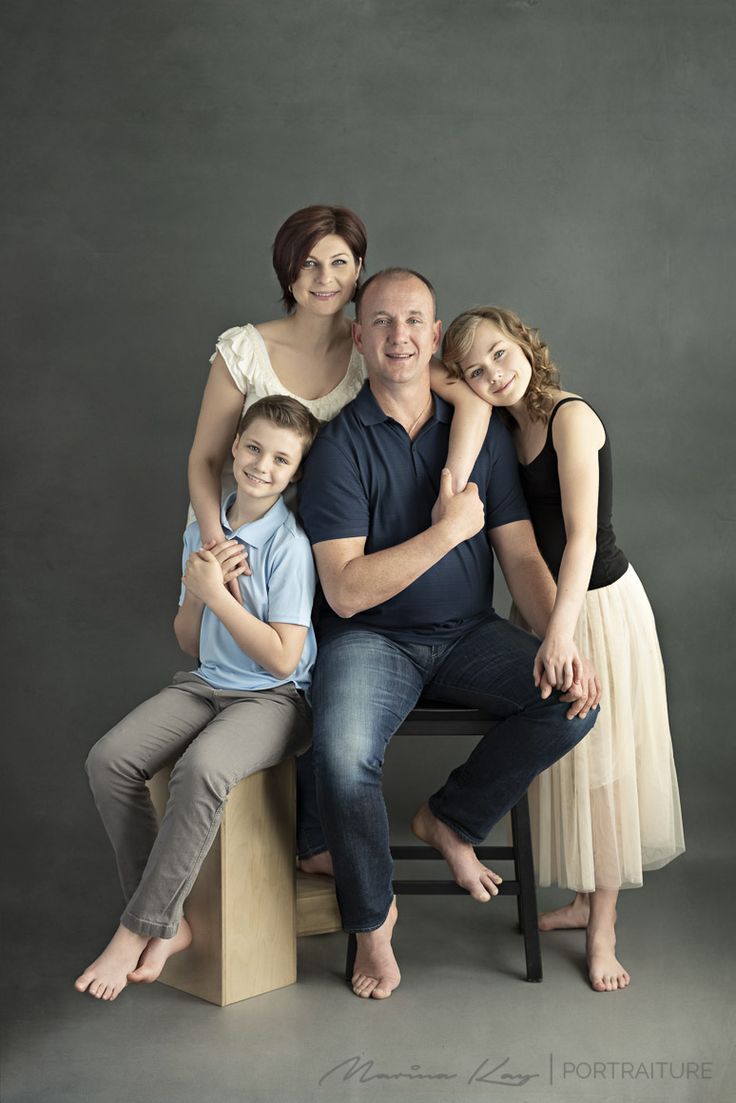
(301, 232)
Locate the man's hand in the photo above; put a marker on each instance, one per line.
(585, 694)
(231, 581)
(203, 577)
(462, 513)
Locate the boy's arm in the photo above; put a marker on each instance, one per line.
(187, 624)
(188, 620)
(275, 646)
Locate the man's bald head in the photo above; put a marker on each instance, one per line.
(392, 274)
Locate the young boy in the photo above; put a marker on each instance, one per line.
(241, 711)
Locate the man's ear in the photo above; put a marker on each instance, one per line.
(437, 329)
(357, 336)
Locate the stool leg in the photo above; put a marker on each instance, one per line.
(527, 899)
(350, 959)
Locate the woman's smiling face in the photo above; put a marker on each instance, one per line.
(495, 366)
(327, 278)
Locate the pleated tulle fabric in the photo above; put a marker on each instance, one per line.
(610, 809)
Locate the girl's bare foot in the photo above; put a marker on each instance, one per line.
(376, 971)
(467, 869)
(157, 953)
(317, 863)
(606, 972)
(107, 976)
(572, 916)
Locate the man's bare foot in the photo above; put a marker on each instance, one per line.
(376, 971)
(107, 976)
(157, 953)
(571, 917)
(317, 863)
(467, 869)
(606, 972)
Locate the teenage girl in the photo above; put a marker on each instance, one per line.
(610, 809)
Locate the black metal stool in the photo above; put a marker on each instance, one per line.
(434, 718)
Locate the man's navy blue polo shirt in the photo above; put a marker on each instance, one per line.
(365, 477)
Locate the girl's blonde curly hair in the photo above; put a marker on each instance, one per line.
(461, 334)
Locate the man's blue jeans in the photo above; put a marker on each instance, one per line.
(364, 686)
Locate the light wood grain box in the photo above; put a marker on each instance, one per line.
(242, 907)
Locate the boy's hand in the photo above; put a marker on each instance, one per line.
(221, 547)
(203, 577)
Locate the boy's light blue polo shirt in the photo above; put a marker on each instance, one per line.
(280, 590)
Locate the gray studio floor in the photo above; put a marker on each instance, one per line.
(462, 1018)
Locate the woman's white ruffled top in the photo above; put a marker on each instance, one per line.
(246, 357)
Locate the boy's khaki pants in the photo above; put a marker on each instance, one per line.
(218, 737)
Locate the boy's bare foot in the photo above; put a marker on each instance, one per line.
(467, 869)
(570, 917)
(317, 863)
(107, 976)
(376, 972)
(605, 970)
(157, 953)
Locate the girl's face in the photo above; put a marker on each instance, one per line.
(496, 367)
(327, 278)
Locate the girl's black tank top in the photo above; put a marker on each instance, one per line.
(541, 483)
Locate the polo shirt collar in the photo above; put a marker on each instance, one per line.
(257, 532)
(370, 413)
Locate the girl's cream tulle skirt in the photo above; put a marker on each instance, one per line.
(610, 808)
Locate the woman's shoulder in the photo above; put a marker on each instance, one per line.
(245, 355)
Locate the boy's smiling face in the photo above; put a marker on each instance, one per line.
(266, 458)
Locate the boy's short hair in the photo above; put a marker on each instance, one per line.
(286, 413)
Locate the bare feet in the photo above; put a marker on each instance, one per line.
(596, 912)
(571, 917)
(107, 976)
(606, 972)
(469, 872)
(157, 953)
(318, 863)
(376, 972)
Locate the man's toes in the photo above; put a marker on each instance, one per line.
(363, 985)
(488, 882)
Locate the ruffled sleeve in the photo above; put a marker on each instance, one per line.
(242, 356)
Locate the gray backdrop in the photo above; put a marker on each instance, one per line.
(569, 159)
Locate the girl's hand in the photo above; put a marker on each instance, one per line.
(203, 577)
(557, 663)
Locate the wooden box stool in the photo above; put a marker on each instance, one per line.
(242, 907)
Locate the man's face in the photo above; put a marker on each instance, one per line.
(397, 332)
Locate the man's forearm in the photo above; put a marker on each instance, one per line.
(533, 590)
(370, 580)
